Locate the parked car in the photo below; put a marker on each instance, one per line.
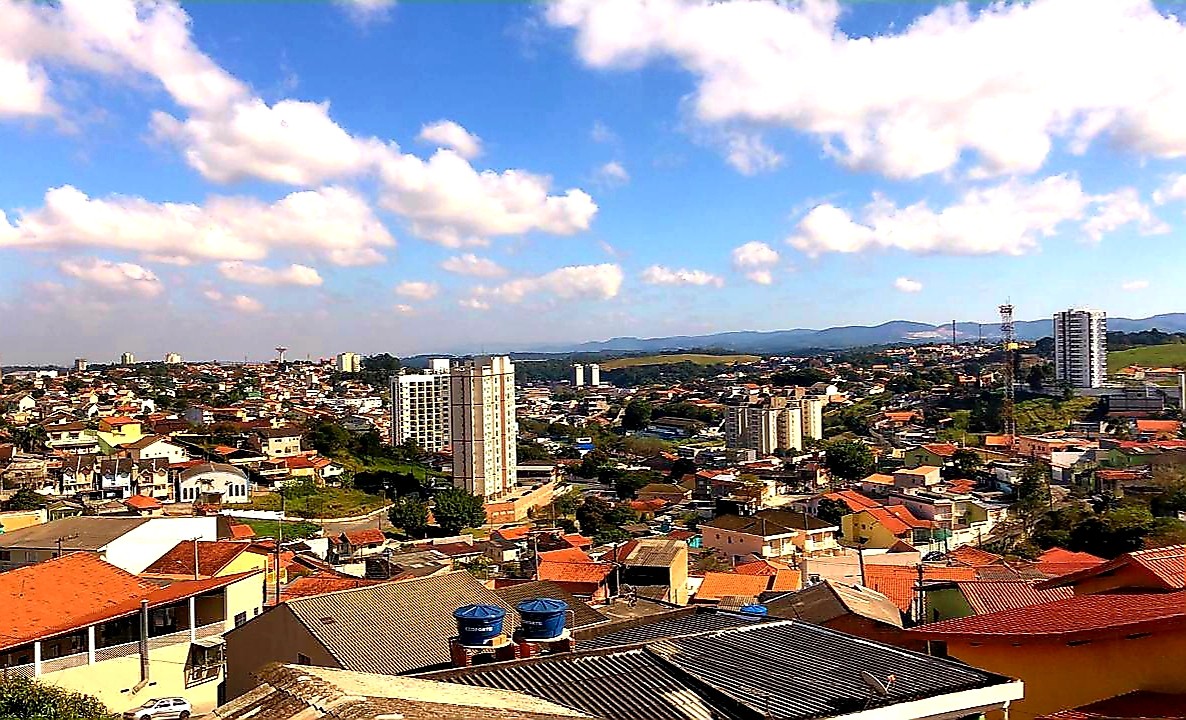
(173, 708)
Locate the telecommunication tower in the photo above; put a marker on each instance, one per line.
(1009, 343)
(280, 350)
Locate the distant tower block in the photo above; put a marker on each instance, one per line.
(127, 359)
(172, 358)
(80, 364)
(595, 375)
(578, 375)
(280, 350)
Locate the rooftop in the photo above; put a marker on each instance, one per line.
(768, 522)
(583, 615)
(828, 600)
(213, 556)
(1164, 566)
(91, 533)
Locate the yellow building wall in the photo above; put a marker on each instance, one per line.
(862, 524)
(108, 441)
(18, 519)
(1058, 676)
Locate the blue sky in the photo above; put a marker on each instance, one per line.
(220, 177)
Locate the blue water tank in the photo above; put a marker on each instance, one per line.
(754, 609)
(542, 618)
(477, 625)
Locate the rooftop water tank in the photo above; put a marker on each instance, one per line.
(542, 618)
(754, 609)
(477, 625)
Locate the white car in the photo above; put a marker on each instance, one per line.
(173, 708)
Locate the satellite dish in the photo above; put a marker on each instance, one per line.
(875, 684)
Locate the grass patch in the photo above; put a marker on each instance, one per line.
(329, 502)
(1148, 356)
(1047, 415)
(292, 530)
(674, 359)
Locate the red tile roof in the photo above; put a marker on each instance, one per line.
(973, 557)
(717, 585)
(1057, 561)
(1158, 426)
(77, 590)
(575, 572)
(897, 582)
(1165, 567)
(142, 502)
(853, 499)
(320, 583)
(369, 536)
(1076, 616)
(213, 556)
(242, 532)
(989, 596)
(565, 555)
(1138, 705)
(941, 449)
(513, 533)
(896, 518)
(769, 568)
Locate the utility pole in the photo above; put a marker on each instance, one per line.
(279, 539)
(196, 574)
(861, 558)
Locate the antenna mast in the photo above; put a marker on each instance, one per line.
(1009, 343)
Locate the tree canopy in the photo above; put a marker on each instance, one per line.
(24, 698)
(849, 460)
(455, 510)
(410, 514)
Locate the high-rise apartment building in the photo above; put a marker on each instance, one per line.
(813, 417)
(595, 375)
(483, 426)
(1081, 347)
(348, 362)
(578, 375)
(127, 359)
(420, 407)
(172, 358)
(80, 365)
(776, 424)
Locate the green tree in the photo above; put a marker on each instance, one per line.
(410, 514)
(800, 378)
(966, 463)
(532, 452)
(627, 484)
(849, 460)
(23, 499)
(1040, 375)
(455, 510)
(369, 445)
(380, 363)
(567, 503)
(637, 415)
(681, 467)
(592, 515)
(329, 438)
(592, 463)
(24, 698)
(831, 511)
(1032, 491)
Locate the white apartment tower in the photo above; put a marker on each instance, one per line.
(348, 362)
(595, 375)
(127, 359)
(578, 375)
(483, 426)
(1081, 347)
(420, 407)
(813, 417)
(777, 424)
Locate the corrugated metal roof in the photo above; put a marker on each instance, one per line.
(395, 627)
(583, 615)
(988, 596)
(680, 622)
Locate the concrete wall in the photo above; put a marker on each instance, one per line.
(145, 544)
(274, 636)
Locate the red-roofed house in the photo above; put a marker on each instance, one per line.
(356, 544)
(217, 558)
(935, 454)
(1158, 569)
(853, 499)
(144, 505)
(583, 579)
(1074, 651)
(1158, 429)
(74, 622)
(899, 583)
(717, 586)
(884, 526)
(1057, 561)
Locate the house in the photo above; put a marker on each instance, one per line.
(281, 442)
(152, 447)
(302, 692)
(1074, 651)
(742, 672)
(1155, 570)
(118, 431)
(392, 628)
(210, 483)
(1158, 429)
(355, 544)
(884, 526)
(658, 562)
(666, 492)
(71, 437)
(129, 543)
(900, 583)
(215, 558)
(851, 609)
(584, 578)
(1057, 561)
(144, 506)
(770, 534)
(935, 455)
(922, 476)
(961, 598)
(75, 622)
(718, 586)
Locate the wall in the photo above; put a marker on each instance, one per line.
(245, 596)
(864, 525)
(947, 603)
(18, 519)
(143, 545)
(1059, 676)
(275, 636)
(736, 543)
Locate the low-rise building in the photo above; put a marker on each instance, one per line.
(770, 534)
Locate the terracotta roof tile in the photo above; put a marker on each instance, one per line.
(988, 596)
(897, 582)
(213, 556)
(142, 502)
(369, 536)
(973, 557)
(718, 585)
(1165, 566)
(565, 555)
(575, 572)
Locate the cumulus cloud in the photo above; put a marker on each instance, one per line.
(1007, 219)
(596, 282)
(1134, 285)
(916, 100)
(238, 303)
(331, 221)
(120, 277)
(756, 261)
(473, 304)
(417, 290)
(612, 174)
(474, 266)
(367, 11)
(660, 275)
(261, 275)
(601, 133)
(749, 154)
(906, 285)
(448, 134)
(1174, 188)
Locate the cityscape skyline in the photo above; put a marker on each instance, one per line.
(239, 185)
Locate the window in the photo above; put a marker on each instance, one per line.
(303, 659)
(5, 555)
(240, 619)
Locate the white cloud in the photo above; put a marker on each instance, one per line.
(367, 11)
(246, 304)
(474, 266)
(448, 134)
(117, 276)
(449, 202)
(473, 304)
(755, 260)
(332, 221)
(1174, 188)
(1134, 285)
(598, 282)
(906, 285)
(660, 275)
(749, 154)
(1007, 219)
(601, 133)
(261, 275)
(417, 290)
(914, 100)
(612, 174)
(402, 309)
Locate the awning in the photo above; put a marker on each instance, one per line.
(210, 642)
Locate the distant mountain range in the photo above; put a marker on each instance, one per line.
(835, 338)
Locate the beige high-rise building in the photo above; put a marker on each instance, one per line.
(483, 426)
(813, 417)
(420, 407)
(348, 362)
(779, 423)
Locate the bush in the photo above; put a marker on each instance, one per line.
(24, 698)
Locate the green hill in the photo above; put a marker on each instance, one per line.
(1149, 356)
(673, 359)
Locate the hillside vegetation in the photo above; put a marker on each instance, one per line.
(1148, 356)
(674, 359)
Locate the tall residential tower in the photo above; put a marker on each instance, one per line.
(483, 426)
(1081, 347)
(420, 407)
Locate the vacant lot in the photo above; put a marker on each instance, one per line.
(1148, 356)
(673, 359)
(292, 530)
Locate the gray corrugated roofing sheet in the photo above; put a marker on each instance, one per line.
(395, 627)
(583, 615)
(664, 626)
(77, 533)
(787, 670)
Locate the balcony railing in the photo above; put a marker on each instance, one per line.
(112, 652)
